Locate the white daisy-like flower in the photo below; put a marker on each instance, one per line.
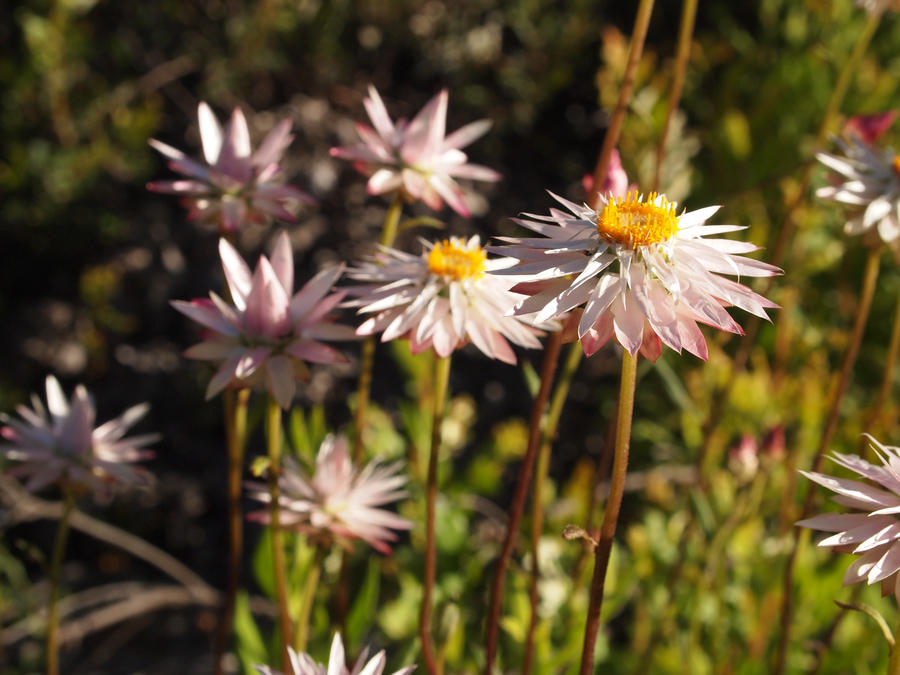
(338, 500)
(59, 443)
(870, 187)
(304, 664)
(643, 273)
(442, 298)
(873, 531)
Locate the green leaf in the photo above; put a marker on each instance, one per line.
(262, 564)
(251, 648)
(532, 379)
(362, 611)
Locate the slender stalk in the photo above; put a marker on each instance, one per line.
(682, 54)
(638, 34)
(441, 377)
(560, 394)
(611, 514)
(59, 547)
(235, 438)
(548, 371)
(273, 429)
(870, 277)
(887, 381)
(894, 662)
(367, 356)
(307, 598)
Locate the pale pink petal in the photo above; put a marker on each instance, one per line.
(210, 133)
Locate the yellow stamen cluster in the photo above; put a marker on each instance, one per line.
(634, 223)
(449, 259)
(897, 164)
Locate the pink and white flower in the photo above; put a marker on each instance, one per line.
(338, 501)
(645, 275)
(59, 444)
(441, 298)
(417, 158)
(268, 333)
(236, 185)
(873, 530)
(870, 187)
(303, 664)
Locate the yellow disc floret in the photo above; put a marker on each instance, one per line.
(631, 222)
(450, 258)
(897, 164)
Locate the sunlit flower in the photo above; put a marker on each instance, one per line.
(869, 128)
(266, 336)
(873, 532)
(236, 185)
(616, 182)
(303, 664)
(416, 157)
(59, 444)
(338, 500)
(871, 189)
(644, 274)
(441, 299)
(878, 6)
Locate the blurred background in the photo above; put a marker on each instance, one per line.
(89, 261)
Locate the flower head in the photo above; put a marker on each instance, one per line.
(265, 335)
(645, 274)
(440, 299)
(873, 530)
(59, 444)
(871, 189)
(235, 185)
(416, 157)
(303, 664)
(338, 501)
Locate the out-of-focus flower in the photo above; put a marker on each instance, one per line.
(440, 299)
(265, 336)
(416, 157)
(616, 183)
(871, 189)
(869, 128)
(644, 274)
(878, 6)
(874, 531)
(338, 501)
(743, 458)
(303, 664)
(236, 185)
(59, 444)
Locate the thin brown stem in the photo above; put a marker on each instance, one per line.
(682, 54)
(611, 514)
(870, 277)
(638, 34)
(273, 432)
(548, 371)
(441, 378)
(235, 403)
(59, 547)
(557, 401)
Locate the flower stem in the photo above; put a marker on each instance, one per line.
(59, 547)
(235, 403)
(548, 370)
(870, 277)
(894, 662)
(685, 32)
(638, 33)
(307, 598)
(888, 380)
(537, 505)
(273, 429)
(611, 514)
(367, 355)
(441, 377)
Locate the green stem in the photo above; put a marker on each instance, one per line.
(548, 371)
(441, 378)
(557, 401)
(307, 598)
(894, 662)
(235, 403)
(870, 278)
(273, 429)
(613, 505)
(683, 53)
(59, 547)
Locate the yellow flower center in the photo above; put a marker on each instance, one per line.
(896, 164)
(449, 259)
(631, 222)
